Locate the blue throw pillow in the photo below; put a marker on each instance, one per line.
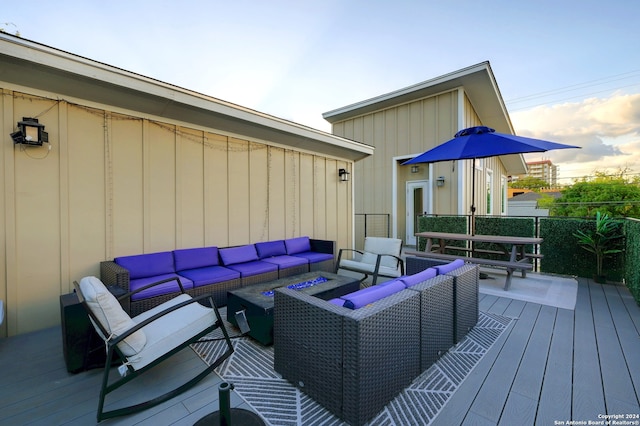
(362, 298)
(411, 280)
(444, 269)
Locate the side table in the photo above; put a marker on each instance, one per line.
(82, 347)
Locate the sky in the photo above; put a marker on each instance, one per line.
(568, 71)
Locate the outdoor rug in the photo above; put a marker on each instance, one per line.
(250, 369)
(545, 289)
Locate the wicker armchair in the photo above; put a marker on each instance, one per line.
(353, 362)
(465, 292)
(436, 318)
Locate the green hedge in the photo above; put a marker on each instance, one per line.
(512, 226)
(453, 224)
(632, 261)
(562, 253)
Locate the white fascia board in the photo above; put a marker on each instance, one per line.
(73, 64)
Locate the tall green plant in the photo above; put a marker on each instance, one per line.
(603, 241)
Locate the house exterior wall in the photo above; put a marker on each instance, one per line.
(116, 182)
(402, 131)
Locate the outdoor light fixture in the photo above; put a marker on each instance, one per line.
(344, 175)
(415, 169)
(440, 181)
(30, 132)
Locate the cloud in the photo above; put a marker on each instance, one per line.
(607, 129)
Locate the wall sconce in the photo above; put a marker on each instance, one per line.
(30, 132)
(415, 169)
(440, 181)
(344, 175)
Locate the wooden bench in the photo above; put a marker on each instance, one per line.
(522, 265)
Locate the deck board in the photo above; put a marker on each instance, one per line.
(627, 332)
(549, 364)
(588, 397)
(492, 397)
(555, 395)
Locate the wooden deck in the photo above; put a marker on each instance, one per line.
(550, 365)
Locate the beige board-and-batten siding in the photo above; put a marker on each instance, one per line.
(408, 129)
(117, 183)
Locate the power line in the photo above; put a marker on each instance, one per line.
(584, 85)
(590, 83)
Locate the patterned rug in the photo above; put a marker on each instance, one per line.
(250, 369)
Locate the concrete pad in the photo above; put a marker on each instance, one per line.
(551, 290)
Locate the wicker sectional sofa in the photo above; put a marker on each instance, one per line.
(465, 290)
(354, 361)
(213, 270)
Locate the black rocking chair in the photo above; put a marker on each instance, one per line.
(144, 341)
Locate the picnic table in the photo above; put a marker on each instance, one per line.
(515, 256)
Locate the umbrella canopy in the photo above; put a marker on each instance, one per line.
(482, 142)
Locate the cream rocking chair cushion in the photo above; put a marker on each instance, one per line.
(380, 257)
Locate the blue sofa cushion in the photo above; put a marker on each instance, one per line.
(297, 245)
(411, 280)
(271, 248)
(313, 257)
(362, 298)
(210, 275)
(147, 265)
(286, 261)
(242, 254)
(256, 267)
(195, 258)
(158, 290)
(443, 269)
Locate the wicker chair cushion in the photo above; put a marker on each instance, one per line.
(210, 275)
(286, 261)
(271, 248)
(111, 316)
(314, 257)
(411, 280)
(444, 269)
(362, 298)
(233, 255)
(194, 258)
(377, 245)
(256, 267)
(297, 245)
(147, 265)
(160, 289)
(366, 267)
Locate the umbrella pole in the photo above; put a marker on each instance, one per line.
(473, 198)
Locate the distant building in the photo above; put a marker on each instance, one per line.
(544, 170)
(526, 204)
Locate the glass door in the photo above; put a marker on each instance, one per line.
(416, 205)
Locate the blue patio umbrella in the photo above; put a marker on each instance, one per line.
(482, 142)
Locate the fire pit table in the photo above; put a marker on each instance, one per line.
(256, 301)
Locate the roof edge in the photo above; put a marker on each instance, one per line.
(409, 89)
